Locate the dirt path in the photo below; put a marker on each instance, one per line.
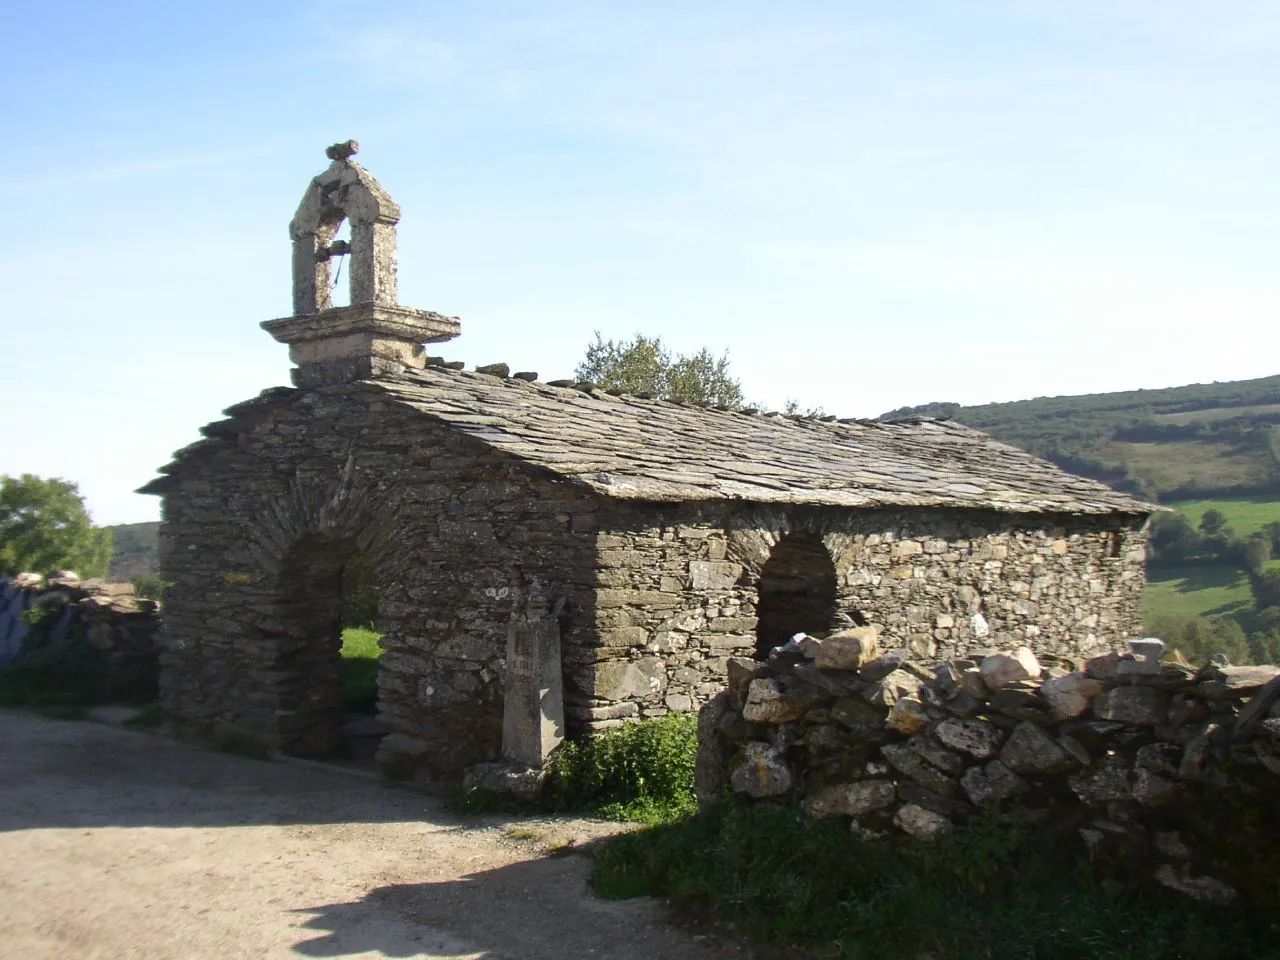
(119, 845)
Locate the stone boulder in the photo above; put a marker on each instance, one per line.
(847, 650)
(855, 799)
(1070, 696)
(761, 771)
(1002, 669)
(1140, 706)
(991, 784)
(1033, 753)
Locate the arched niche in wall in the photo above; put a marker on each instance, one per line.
(796, 591)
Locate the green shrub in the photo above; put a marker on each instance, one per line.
(642, 771)
(987, 890)
(639, 771)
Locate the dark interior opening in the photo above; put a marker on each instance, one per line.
(797, 592)
(328, 663)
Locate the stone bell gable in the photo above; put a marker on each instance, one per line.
(512, 525)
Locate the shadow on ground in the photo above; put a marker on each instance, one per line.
(66, 773)
(515, 911)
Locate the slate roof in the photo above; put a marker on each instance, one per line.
(629, 447)
(633, 448)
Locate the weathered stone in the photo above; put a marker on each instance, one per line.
(1102, 667)
(514, 779)
(898, 684)
(949, 807)
(713, 574)
(936, 754)
(972, 737)
(1204, 889)
(769, 701)
(1070, 696)
(855, 799)
(1032, 752)
(971, 682)
(761, 771)
(1228, 683)
(1000, 670)
(991, 784)
(919, 822)
(1151, 789)
(1169, 843)
(1161, 758)
(533, 701)
(881, 667)
(848, 649)
(740, 674)
(1101, 784)
(1141, 706)
(623, 679)
(910, 763)
(907, 715)
(856, 713)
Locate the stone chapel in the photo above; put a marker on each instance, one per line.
(618, 548)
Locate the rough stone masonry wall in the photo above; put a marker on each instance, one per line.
(107, 616)
(677, 591)
(1163, 769)
(255, 535)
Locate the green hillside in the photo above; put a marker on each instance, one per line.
(1201, 440)
(135, 550)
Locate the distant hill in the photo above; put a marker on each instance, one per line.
(1201, 440)
(135, 550)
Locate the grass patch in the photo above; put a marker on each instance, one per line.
(1211, 590)
(1245, 515)
(359, 670)
(640, 772)
(1191, 464)
(982, 892)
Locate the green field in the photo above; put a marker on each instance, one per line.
(1208, 591)
(359, 676)
(1246, 515)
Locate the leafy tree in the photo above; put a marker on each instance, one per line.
(1266, 589)
(1255, 551)
(1213, 523)
(1173, 540)
(44, 527)
(645, 365)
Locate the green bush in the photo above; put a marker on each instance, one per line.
(987, 890)
(639, 771)
(642, 771)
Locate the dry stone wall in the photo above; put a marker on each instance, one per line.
(35, 612)
(678, 591)
(1165, 770)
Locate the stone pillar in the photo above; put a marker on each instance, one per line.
(373, 262)
(533, 713)
(310, 278)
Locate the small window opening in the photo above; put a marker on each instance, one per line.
(797, 592)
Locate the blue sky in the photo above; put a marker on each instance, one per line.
(867, 204)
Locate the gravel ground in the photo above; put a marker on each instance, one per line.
(116, 844)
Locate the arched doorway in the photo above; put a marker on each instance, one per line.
(326, 597)
(796, 592)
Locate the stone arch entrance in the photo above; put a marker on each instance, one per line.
(309, 619)
(796, 591)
